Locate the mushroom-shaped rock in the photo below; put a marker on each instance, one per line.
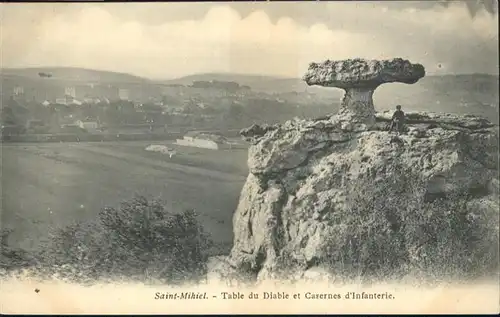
(359, 78)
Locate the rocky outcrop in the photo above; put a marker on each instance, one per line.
(301, 173)
(359, 78)
(341, 191)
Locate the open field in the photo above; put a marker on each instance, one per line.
(52, 185)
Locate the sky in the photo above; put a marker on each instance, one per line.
(168, 40)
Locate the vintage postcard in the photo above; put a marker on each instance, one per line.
(249, 157)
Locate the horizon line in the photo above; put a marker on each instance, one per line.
(432, 74)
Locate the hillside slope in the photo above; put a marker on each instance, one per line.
(269, 84)
(461, 94)
(86, 82)
(73, 74)
(473, 93)
(483, 83)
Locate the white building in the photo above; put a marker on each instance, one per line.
(18, 90)
(70, 91)
(203, 140)
(123, 94)
(88, 125)
(68, 101)
(61, 101)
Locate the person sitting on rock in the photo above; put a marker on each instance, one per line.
(398, 120)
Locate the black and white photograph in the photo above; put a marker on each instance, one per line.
(249, 157)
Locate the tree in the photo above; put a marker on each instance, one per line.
(139, 240)
(8, 117)
(236, 111)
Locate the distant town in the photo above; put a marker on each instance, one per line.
(95, 108)
(74, 104)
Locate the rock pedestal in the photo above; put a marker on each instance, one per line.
(357, 106)
(359, 78)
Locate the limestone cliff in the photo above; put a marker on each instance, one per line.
(342, 194)
(301, 174)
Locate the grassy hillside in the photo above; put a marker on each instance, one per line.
(87, 81)
(53, 185)
(73, 74)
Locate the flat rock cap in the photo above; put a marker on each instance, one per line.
(352, 73)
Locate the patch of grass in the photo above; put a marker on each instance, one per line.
(139, 241)
(391, 229)
(226, 161)
(12, 258)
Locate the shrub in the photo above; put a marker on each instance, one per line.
(12, 258)
(141, 240)
(390, 229)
